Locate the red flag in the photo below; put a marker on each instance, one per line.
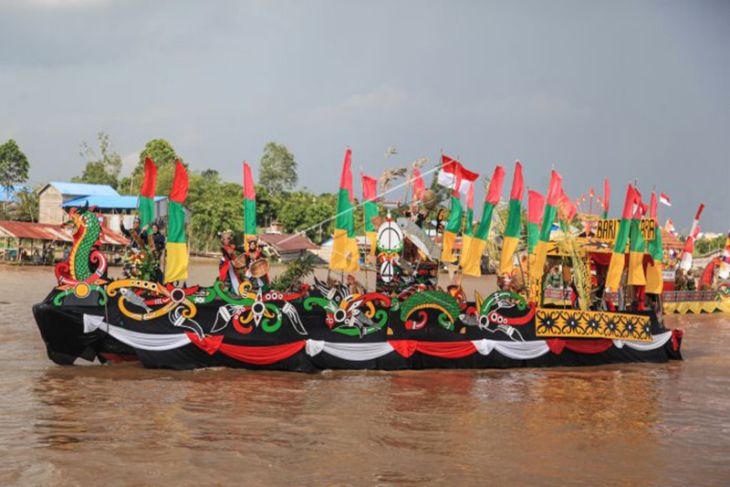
(606, 194)
(518, 184)
(699, 211)
(369, 188)
(535, 207)
(418, 187)
(567, 207)
(555, 189)
(495, 186)
(639, 208)
(346, 179)
(628, 203)
(249, 192)
(179, 189)
(652, 206)
(150, 179)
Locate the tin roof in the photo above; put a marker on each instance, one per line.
(52, 233)
(106, 202)
(83, 189)
(282, 242)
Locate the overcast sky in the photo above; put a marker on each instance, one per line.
(625, 89)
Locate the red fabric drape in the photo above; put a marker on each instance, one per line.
(557, 345)
(406, 348)
(264, 355)
(677, 335)
(210, 344)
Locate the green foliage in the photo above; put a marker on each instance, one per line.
(278, 169)
(294, 274)
(102, 167)
(13, 165)
(267, 207)
(215, 206)
(26, 207)
(162, 152)
(302, 209)
(706, 245)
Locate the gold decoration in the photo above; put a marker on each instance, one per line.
(573, 323)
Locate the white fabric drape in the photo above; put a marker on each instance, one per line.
(513, 350)
(142, 341)
(658, 341)
(355, 352)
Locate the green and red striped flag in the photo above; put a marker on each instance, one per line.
(555, 192)
(535, 209)
(370, 208)
(472, 266)
(249, 204)
(452, 228)
(466, 237)
(618, 257)
(654, 278)
(176, 261)
(514, 222)
(146, 200)
(606, 197)
(637, 245)
(345, 254)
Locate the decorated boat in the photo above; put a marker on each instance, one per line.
(246, 320)
(709, 292)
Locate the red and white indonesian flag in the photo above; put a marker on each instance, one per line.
(664, 199)
(685, 262)
(455, 176)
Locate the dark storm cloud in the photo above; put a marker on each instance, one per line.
(624, 89)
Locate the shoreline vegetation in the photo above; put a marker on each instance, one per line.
(215, 205)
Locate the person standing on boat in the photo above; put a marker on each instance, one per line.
(228, 272)
(257, 267)
(156, 247)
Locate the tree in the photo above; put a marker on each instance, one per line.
(305, 211)
(13, 166)
(278, 169)
(162, 152)
(215, 206)
(102, 167)
(26, 206)
(706, 245)
(267, 207)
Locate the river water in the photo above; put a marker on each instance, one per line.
(638, 424)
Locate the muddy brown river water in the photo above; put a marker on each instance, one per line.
(635, 424)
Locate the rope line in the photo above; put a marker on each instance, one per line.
(327, 220)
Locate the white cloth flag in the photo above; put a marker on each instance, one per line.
(448, 180)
